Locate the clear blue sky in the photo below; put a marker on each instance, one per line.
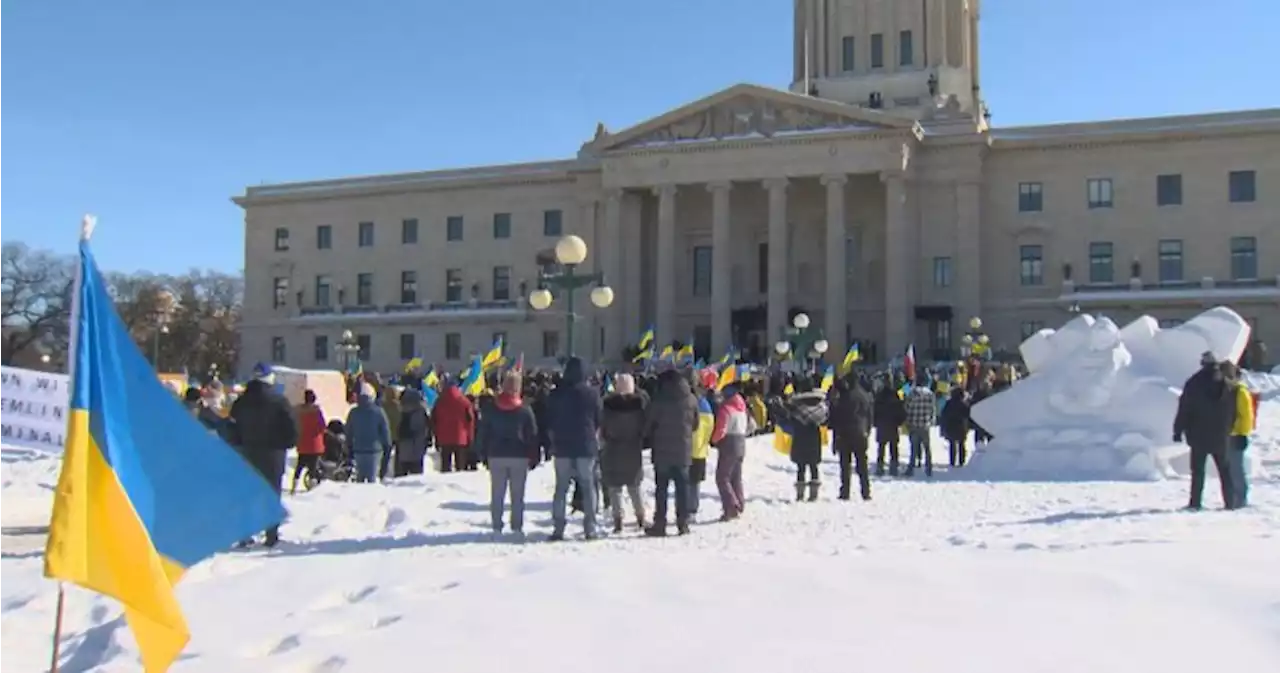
(153, 114)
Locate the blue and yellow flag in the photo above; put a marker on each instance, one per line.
(685, 354)
(851, 356)
(730, 374)
(473, 380)
(828, 379)
(706, 425)
(646, 341)
(145, 491)
(668, 353)
(494, 357)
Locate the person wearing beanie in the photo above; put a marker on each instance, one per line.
(1205, 416)
(368, 434)
(262, 428)
(507, 442)
(573, 411)
(622, 427)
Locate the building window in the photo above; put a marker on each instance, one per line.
(408, 287)
(502, 225)
(277, 349)
(365, 235)
(1031, 267)
(322, 291)
(280, 292)
(1170, 252)
(552, 222)
(1030, 328)
(364, 343)
(408, 231)
(1101, 262)
(324, 237)
(905, 54)
(1030, 197)
(550, 344)
(452, 346)
(408, 349)
(1169, 190)
(1099, 192)
(940, 337)
(453, 228)
(282, 239)
(453, 285)
(847, 53)
(942, 272)
(501, 283)
(364, 289)
(320, 348)
(877, 50)
(1244, 258)
(762, 267)
(1241, 188)
(702, 271)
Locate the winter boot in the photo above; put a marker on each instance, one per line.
(617, 524)
(813, 490)
(640, 522)
(682, 528)
(655, 531)
(800, 491)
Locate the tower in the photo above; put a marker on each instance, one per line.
(914, 58)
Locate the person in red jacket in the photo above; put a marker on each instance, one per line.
(311, 426)
(454, 420)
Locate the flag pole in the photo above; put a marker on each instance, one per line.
(87, 225)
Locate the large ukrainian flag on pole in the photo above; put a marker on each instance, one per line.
(145, 491)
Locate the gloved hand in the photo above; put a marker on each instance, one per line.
(1177, 438)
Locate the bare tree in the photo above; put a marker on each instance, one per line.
(37, 300)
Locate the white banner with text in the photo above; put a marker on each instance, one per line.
(35, 409)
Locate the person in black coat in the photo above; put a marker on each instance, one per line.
(889, 412)
(263, 429)
(803, 416)
(954, 423)
(1206, 412)
(851, 419)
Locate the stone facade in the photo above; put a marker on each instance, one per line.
(876, 199)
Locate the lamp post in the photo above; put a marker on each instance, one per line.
(571, 251)
(975, 341)
(348, 348)
(163, 313)
(802, 338)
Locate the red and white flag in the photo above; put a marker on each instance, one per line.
(909, 364)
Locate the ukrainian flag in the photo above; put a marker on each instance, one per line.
(473, 380)
(668, 353)
(646, 341)
(828, 379)
(706, 425)
(728, 375)
(850, 357)
(494, 357)
(685, 354)
(645, 354)
(415, 363)
(128, 518)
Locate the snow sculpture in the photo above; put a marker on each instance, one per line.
(1100, 401)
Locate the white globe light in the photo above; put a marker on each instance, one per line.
(966, 339)
(540, 300)
(782, 347)
(45, 358)
(976, 323)
(602, 296)
(346, 335)
(821, 346)
(801, 321)
(983, 339)
(571, 250)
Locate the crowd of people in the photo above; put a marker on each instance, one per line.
(595, 430)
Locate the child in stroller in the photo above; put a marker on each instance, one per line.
(336, 464)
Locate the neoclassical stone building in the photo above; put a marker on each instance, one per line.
(873, 195)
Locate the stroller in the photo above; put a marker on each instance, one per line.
(336, 464)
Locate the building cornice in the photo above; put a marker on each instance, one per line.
(814, 138)
(1138, 131)
(538, 173)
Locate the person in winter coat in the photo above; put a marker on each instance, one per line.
(1205, 416)
(733, 426)
(507, 442)
(574, 409)
(889, 413)
(454, 421)
(669, 425)
(263, 430)
(708, 401)
(922, 413)
(389, 399)
(311, 427)
(954, 422)
(851, 421)
(413, 433)
(1241, 428)
(368, 434)
(622, 427)
(803, 416)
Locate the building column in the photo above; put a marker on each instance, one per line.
(968, 264)
(898, 267)
(778, 258)
(837, 264)
(611, 243)
(632, 261)
(721, 269)
(665, 301)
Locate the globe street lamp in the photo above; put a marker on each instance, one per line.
(163, 312)
(571, 251)
(348, 348)
(976, 342)
(802, 338)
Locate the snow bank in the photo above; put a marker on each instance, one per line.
(1100, 400)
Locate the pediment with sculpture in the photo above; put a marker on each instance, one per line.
(743, 112)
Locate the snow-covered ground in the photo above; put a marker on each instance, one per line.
(942, 575)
